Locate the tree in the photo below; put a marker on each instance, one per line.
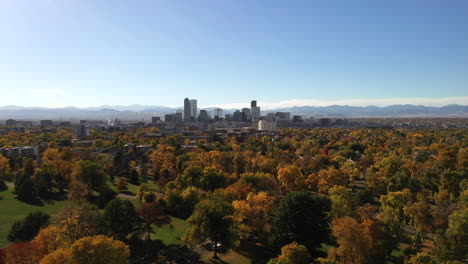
(254, 214)
(213, 179)
(342, 201)
(291, 178)
(292, 254)
(181, 203)
(49, 239)
(192, 176)
(27, 229)
(302, 217)
(62, 256)
(420, 215)
(453, 244)
(99, 250)
(4, 167)
(122, 184)
(79, 219)
(43, 179)
(27, 191)
(90, 173)
(152, 214)
(21, 253)
(392, 206)
(212, 219)
(120, 218)
(421, 258)
(354, 241)
(261, 182)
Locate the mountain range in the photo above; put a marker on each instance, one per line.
(142, 112)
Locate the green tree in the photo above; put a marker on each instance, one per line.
(26, 191)
(90, 173)
(29, 227)
(120, 218)
(342, 201)
(213, 220)
(302, 217)
(213, 179)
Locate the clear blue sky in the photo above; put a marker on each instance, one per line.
(156, 52)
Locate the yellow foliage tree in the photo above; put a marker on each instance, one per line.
(99, 250)
(253, 214)
(291, 178)
(59, 256)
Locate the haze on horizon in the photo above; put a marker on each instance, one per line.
(225, 53)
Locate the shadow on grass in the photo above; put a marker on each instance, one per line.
(127, 192)
(256, 251)
(147, 251)
(47, 198)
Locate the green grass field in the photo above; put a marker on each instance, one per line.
(171, 235)
(12, 210)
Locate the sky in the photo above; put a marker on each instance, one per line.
(83, 53)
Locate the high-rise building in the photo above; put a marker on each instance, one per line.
(218, 113)
(193, 109)
(203, 117)
(254, 111)
(247, 116)
(238, 116)
(187, 110)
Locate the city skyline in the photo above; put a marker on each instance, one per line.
(88, 53)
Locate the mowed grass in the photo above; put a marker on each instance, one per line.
(171, 234)
(12, 210)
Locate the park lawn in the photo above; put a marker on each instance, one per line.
(171, 235)
(12, 210)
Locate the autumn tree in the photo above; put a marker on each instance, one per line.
(420, 215)
(22, 253)
(292, 254)
(291, 178)
(213, 220)
(152, 214)
(49, 239)
(62, 256)
(422, 258)
(99, 250)
(79, 219)
(254, 214)
(353, 239)
(4, 167)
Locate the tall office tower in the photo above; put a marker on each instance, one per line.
(247, 116)
(218, 113)
(254, 111)
(187, 111)
(193, 109)
(203, 116)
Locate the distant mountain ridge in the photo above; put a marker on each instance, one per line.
(145, 112)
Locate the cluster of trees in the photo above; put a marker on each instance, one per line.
(360, 193)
